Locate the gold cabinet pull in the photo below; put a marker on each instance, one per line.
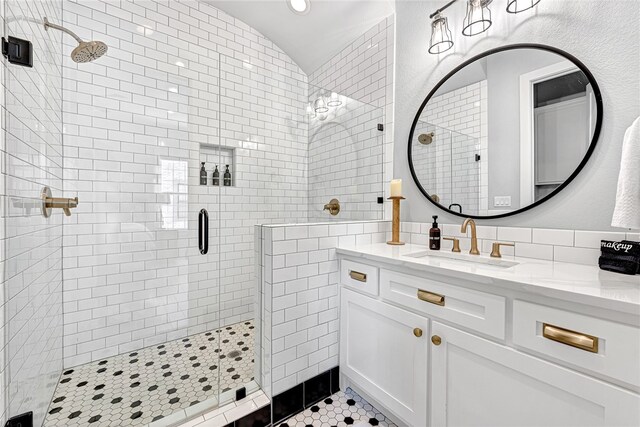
(571, 338)
(436, 340)
(430, 297)
(417, 332)
(356, 275)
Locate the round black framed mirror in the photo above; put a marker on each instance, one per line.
(505, 131)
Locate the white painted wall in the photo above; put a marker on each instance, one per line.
(602, 34)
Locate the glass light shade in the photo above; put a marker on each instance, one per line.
(517, 6)
(441, 39)
(310, 111)
(320, 105)
(478, 18)
(334, 100)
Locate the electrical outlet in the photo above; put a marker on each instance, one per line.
(502, 201)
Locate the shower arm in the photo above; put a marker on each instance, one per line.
(48, 25)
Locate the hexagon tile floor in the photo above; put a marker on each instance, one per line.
(340, 410)
(147, 385)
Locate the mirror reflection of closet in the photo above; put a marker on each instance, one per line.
(563, 125)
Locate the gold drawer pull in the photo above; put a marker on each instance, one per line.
(571, 338)
(430, 297)
(356, 275)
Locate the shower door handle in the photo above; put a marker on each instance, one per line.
(203, 231)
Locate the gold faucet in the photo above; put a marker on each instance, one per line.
(474, 238)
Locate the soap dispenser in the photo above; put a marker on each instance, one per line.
(203, 175)
(434, 235)
(227, 177)
(216, 177)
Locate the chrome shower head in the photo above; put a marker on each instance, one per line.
(86, 51)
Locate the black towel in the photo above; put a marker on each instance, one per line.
(620, 257)
(636, 244)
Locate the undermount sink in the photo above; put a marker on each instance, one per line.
(471, 259)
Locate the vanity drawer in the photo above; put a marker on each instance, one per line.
(362, 277)
(475, 310)
(602, 346)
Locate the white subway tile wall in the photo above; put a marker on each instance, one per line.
(447, 167)
(346, 162)
(575, 246)
(300, 280)
(362, 71)
(178, 75)
(31, 267)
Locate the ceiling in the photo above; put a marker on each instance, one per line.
(311, 39)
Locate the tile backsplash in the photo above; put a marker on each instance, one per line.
(576, 246)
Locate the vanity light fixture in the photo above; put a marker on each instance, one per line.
(334, 100)
(478, 18)
(441, 39)
(517, 6)
(476, 21)
(299, 7)
(320, 105)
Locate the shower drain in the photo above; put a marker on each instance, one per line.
(234, 354)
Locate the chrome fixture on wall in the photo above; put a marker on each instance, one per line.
(49, 203)
(86, 51)
(476, 21)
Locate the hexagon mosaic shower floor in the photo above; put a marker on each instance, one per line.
(343, 409)
(147, 385)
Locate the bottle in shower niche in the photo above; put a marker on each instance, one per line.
(216, 177)
(203, 175)
(227, 177)
(434, 235)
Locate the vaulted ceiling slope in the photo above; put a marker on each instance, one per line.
(311, 39)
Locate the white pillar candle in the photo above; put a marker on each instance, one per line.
(396, 188)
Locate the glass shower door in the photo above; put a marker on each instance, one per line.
(345, 158)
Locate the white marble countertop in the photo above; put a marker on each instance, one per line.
(573, 282)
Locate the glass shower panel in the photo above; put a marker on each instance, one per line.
(449, 165)
(345, 158)
(432, 160)
(31, 253)
(465, 174)
(264, 144)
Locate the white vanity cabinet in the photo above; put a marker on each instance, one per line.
(476, 382)
(384, 350)
(441, 352)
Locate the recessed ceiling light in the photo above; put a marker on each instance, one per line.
(300, 7)
(180, 63)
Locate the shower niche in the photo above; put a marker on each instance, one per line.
(221, 156)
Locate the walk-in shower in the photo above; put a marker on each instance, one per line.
(126, 312)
